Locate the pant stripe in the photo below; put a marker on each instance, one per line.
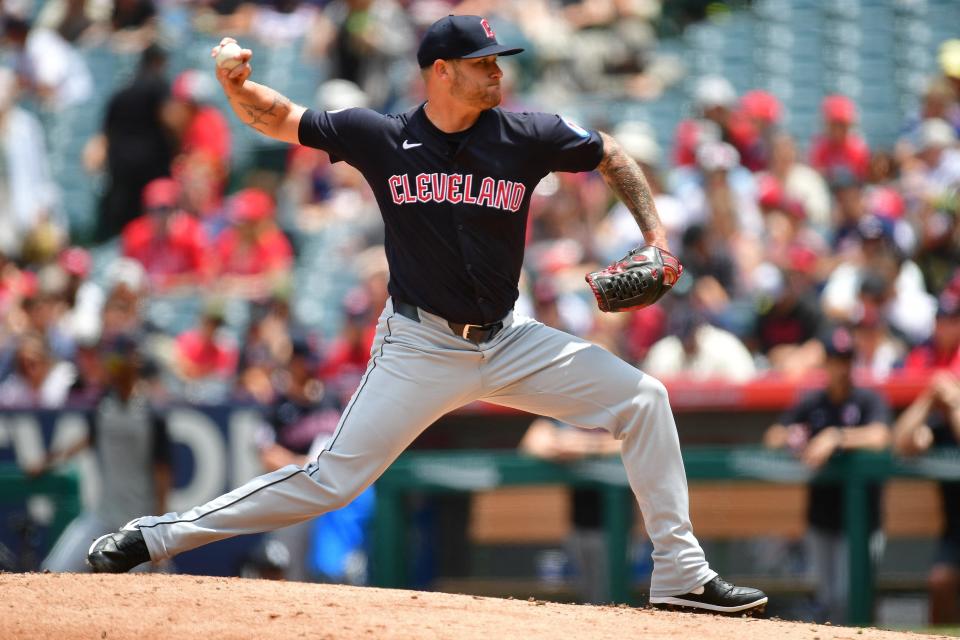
(226, 506)
(373, 365)
(363, 383)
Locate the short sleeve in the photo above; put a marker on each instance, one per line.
(565, 145)
(346, 134)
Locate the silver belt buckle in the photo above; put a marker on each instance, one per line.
(466, 330)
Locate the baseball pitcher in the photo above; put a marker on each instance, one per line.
(453, 178)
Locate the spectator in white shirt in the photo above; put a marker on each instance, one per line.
(698, 350)
(48, 65)
(38, 380)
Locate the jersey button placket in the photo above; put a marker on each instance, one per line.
(461, 232)
(464, 246)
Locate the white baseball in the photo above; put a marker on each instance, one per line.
(229, 55)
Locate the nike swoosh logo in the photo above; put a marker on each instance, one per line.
(411, 145)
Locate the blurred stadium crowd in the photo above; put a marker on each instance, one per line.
(221, 264)
(132, 204)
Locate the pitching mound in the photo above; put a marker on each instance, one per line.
(70, 606)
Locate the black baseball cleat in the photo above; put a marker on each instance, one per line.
(717, 596)
(118, 552)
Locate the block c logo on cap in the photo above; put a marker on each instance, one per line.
(487, 28)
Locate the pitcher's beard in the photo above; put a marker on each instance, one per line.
(482, 98)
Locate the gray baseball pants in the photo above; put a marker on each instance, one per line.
(420, 371)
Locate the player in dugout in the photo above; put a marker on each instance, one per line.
(840, 417)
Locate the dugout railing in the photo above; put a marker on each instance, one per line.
(474, 471)
(61, 487)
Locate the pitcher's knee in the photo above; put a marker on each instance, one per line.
(335, 489)
(340, 496)
(342, 500)
(646, 408)
(652, 390)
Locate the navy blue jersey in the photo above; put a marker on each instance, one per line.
(817, 411)
(454, 206)
(296, 423)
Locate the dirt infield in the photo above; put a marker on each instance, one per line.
(145, 607)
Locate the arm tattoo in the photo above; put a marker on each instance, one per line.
(263, 118)
(625, 177)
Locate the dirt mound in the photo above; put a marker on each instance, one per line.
(70, 606)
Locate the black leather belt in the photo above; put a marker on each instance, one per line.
(475, 333)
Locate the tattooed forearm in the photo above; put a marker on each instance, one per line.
(261, 115)
(625, 177)
(260, 107)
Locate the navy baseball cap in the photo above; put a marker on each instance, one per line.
(460, 37)
(838, 343)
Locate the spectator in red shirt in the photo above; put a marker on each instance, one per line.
(716, 120)
(762, 111)
(15, 284)
(204, 134)
(169, 243)
(762, 108)
(202, 179)
(942, 351)
(254, 254)
(202, 353)
(788, 236)
(201, 126)
(838, 146)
